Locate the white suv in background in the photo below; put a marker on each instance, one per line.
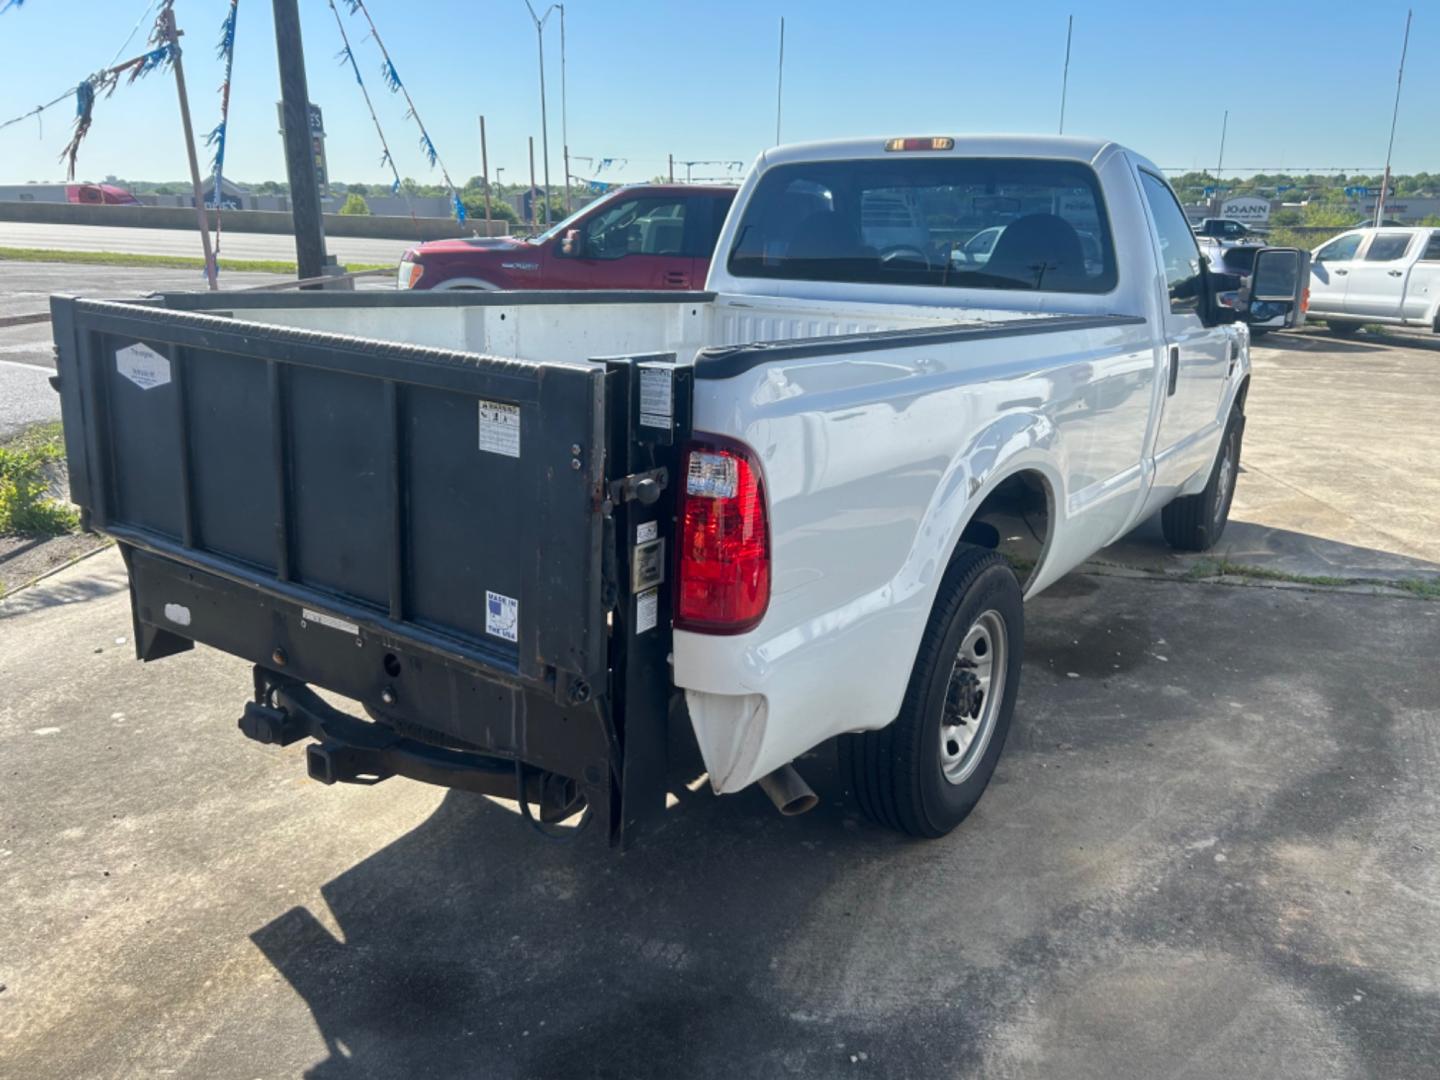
(1388, 275)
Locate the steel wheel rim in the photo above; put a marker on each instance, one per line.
(973, 695)
(1227, 480)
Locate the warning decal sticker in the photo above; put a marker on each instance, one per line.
(500, 428)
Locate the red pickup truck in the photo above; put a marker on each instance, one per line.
(645, 236)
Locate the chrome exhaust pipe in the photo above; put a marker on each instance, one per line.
(790, 794)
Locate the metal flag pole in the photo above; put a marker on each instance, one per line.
(1065, 76)
(1395, 116)
(544, 129)
(169, 33)
(780, 80)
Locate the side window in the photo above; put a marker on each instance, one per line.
(705, 218)
(1387, 247)
(636, 227)
(1432, 249)
(1341, 249)
(1178, 252)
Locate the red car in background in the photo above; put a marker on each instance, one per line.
(644, 236)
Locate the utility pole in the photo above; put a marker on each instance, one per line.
(485, 174)
(672, 168)
(1224, 125)
(532, 181)
(564, 124)
(299, 155)
(780, 80)
(1065, 77)
(544, 129)
(172, 35)
(1385, 180)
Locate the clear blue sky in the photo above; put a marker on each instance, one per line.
(1307, 84)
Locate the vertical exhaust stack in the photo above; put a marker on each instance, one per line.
(790, 794)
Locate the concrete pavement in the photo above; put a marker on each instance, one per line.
(234, 245)
(1211, 849)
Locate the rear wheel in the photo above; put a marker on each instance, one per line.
(1195, 522)
(925, 772)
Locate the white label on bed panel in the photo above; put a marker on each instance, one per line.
(179, 614)
(332, 621)
(656, 397)
(143, 366)
(646, 531)
(500, 428)
(502, 616)
(647, 610)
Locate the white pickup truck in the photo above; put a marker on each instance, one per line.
(530, 532)
(1384, 275)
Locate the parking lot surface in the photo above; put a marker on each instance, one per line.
(1212, 849)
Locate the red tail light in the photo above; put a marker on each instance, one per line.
(723, 554)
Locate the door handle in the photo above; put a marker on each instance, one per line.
(1342, 273)
(1394, 273)
(1174, 369)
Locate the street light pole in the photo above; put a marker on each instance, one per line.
(544, 130)
(564, 123)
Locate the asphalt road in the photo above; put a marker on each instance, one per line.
(1211, 850)
(26, 352)
(234, 245)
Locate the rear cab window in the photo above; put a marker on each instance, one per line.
(1432, 249)
(986, 223)
(1387, 247)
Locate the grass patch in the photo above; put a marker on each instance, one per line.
(25, 504)
(1425, 588)
(1224, 567)
(165, 262)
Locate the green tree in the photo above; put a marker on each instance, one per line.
(499, 209)
(355, 205)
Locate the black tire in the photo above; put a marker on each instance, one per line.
(1343, 329)
(1196, 522)
(897, 773)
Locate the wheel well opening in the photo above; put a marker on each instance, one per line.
(1015, 520)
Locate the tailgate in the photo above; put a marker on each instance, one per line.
(441, 496)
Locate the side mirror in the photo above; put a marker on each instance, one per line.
(570, 245)
(1220, 299)
(1277, 275)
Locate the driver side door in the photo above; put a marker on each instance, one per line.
(1330, 273)
(1197, 358)
(630, 244)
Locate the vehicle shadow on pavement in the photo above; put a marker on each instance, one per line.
(473, 945)
(1198, 780)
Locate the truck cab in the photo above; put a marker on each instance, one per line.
(644, 236)
(1377, 275)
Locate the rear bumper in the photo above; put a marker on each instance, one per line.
(436, 718)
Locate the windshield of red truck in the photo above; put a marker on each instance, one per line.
(987, 223)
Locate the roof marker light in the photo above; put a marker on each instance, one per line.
(937, 142)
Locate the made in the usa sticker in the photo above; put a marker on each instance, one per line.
(502, 616)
